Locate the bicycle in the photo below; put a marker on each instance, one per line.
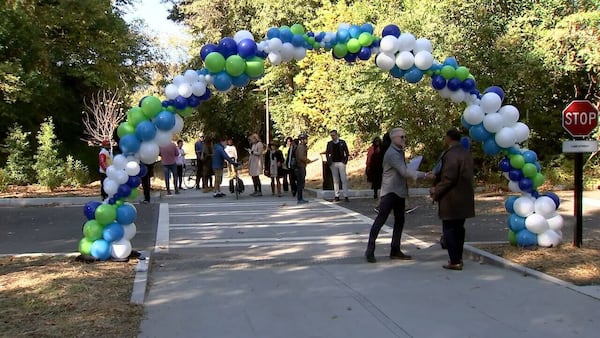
(235, 184)
(189, 175)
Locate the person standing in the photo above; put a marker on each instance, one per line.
(337, 157)
(180, 161)
(289, 166)
(394, 191)
(219, 156)
(255, 167)
(198, 147)
(274, 162)
(301, 162)
(146, 182)
(105, 158)
(168, 158)
(453, 190)
(374, 168)
(207, 170)
(231, 151)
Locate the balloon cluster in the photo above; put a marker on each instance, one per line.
(534, 221)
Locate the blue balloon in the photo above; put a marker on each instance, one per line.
(397, 72)
(526, 184)
(451, 61)
(413, 75)
(342, 36)
(126, 214)
(376, 42)
(165, 120)
(467, 85)
(354, 31)
(367, 27)
(526, 238)
(497, 90)
(89, 209)
(465, 142)
(515, 174)
(113, 232)
(273, 32)
(350, 57)
(100, 249)
(247, 48)
(143, 170)
(479, 133)
(193, 101)
(438, 82)
(490, 147)
(538, 166)
(514, 151)
(364, 53)
(285, 34)
(207, 49)
(123, 191)
(240, 81)
(222, 81)
(516, 223)
(134, 182)
(530, 156)
(206, 96)
(129, 144)
(454, 84)
(504, 165)
(298, 40)
(180, 102)
(554, 197)
(465, 123)
(145, 130)
(227, 47)
(319, 37)
(509, 204)
(391, 30)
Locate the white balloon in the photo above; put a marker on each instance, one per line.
(343, 25)
(536, 223)
(405, 60)
(119, 162)
(406, 42)
(178, 127)
(445, 93)
(120, 249)
(241, 35)
(389, 44)
(510, 115)
(299, 53)
(121, 177)
(458, 96)
(110, 187)
(506, 137)
(523, 206)
(171, 91)
(111, 171)
(163, 138)
(149, 152)
(473, 115)
(423, 60)
(545, 206)
(287, 52)
(185, 90)
(490, 103)
(129, 231)
(385, 61)
(522, 131)
(198, 88)
(132, 168)
(179, 79)
(492, 122)
(549, 238)
(275, 44)
(422, 44)
(190, 76)
(556, 222)
(262, 46)
(208, 79)
(514, 186)
(275, 58)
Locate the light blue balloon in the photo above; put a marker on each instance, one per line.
(490, 147)
(479, 133)
(100, 249)
(145, 130)
(129, 144)
(413, 75)
(509, 204)
(530, 156)
(516, 223)
(126, 214)
(165, 120)
(222, 81)
(113, 232)
(526, 238)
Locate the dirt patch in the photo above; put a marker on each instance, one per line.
(52, 296)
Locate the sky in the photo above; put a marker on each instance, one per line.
(172, 37)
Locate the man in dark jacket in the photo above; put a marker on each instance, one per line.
(453, 190)
(337, 157)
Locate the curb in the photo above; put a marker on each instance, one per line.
(140, 283)
(479, 255)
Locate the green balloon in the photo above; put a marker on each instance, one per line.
(255, 67)
(125, 129)
(316, 45)
(92, 230)
(134, 195)
(448, 72)
(365, 39)
(462, 73)
(85, 246)
(517, 161)
(297, 29)
(538, 180)
(135, 115)
(105, 214)
(340, 50)
(529, 170)
(235, 65)
(512, 238)
(214, 62)
(185, 112)
(172, 109)
(353, 45)
(151, 106)
(311, 40)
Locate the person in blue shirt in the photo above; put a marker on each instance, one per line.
(219, 156)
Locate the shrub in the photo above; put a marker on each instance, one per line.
(76, 173)
(19, 159)
(4, 180)
(48, 166)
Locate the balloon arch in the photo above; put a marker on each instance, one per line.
(234, 62)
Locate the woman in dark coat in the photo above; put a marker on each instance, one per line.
(274, 167)
(374, 168)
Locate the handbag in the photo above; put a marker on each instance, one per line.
(267, 173)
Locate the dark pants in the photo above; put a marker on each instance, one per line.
(146, 181)
(289, 181)
(388, 203)
(198, 172)
(256, 183)
(179, 175)
(103, 193)
(300, 178)
(454, 235)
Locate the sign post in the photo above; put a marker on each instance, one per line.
(579, 119)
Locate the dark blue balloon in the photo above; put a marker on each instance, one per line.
(126, 214)
(129, 144)
(134, 181)
(515, 174)
(390, 30)
(364, 53)
(247, 48)
(526, 238)
(350, 57)
(510, 203)
(490, 147)
(166, 103)
(261, 54)
(516, 223)
(207, 49)
(310, 34)
(504, 165)
(467, 85)
(285, 34)
(454, 84)
(124, 190)
(397, 72)
(227, 47)
(143, 170)
(479, 133)
(497, 90)
(319, 37)
(206, 96)
(535, 194)
(145, 130)
(438, 82)
(273, 32)
(193, 101)
(526, 184)
(112, 200)
(376, 42)
(180, 102)
(89, 209)
(465, 142)
(554, 197)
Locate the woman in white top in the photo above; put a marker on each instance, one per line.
(180, 161)
(232, 152)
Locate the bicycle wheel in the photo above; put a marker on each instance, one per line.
(237, 188)
(189, 178)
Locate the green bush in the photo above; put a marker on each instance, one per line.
(48, 166)
(19, 159)
(4, 180)
(76, 173)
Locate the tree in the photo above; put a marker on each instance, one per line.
(102, 115)
(19, 160)
(48, 166)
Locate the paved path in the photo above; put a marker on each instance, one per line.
(227, 268)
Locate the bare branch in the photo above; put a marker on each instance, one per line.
(102, 115)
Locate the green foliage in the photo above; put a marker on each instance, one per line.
(20, 158)
(76, 173)
(4, 180)
(48, 166)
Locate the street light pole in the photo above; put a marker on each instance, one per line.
(267, 117)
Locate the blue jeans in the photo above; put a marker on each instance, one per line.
(170, 168)
(300, 178)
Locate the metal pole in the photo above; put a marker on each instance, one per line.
(577, 234)
(267, 117)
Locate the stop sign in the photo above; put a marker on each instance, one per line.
(579, 118)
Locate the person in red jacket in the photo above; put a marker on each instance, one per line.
(104, 161)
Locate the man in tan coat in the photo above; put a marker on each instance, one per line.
(453, 190)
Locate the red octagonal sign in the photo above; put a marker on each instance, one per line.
(579, 118)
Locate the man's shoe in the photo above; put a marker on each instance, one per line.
(451, 266)
(336, 199)
(258, 194)
(169, 192)
(176, 192)
(346, 199)
(401, 256)
(370, 258)
(302, 201)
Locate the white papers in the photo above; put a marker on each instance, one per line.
(415, 163)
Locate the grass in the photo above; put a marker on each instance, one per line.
(45, 296)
